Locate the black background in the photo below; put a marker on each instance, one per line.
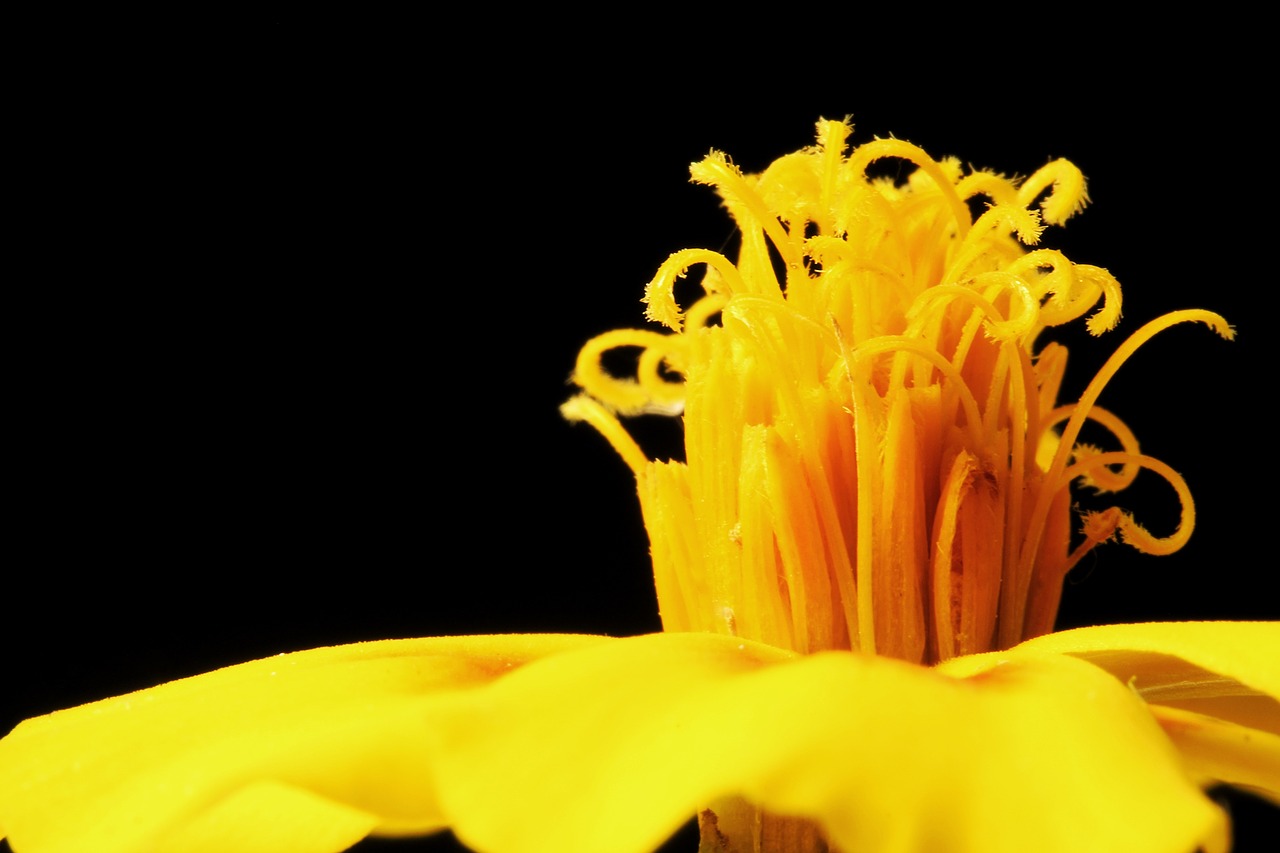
(297, 314)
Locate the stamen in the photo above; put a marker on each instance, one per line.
(1108, 370)
(1054, 473)
(583, 408)
(1105, 479)
(1130, 531)
(1068, 196)
(659, 294)
(744, 202)
(996, 221)
(863, 352)
(916, 506)
(865, 155)
(629, 396)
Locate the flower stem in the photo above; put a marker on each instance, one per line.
(733, 825)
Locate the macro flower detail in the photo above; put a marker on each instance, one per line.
(876, 458)
(1096, 738)
(858, 565)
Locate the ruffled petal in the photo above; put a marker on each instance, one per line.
(1046, 754)
(301, 752)
(1213, 686)
(599, 745)
(1219, 751)
(1245, 653)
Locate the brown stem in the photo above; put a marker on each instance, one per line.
(732, 825)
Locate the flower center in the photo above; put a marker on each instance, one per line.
(875, 456)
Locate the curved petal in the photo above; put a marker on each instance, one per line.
(1220, 751)
(1213, 686)
(1243, 652)
(315, 749)
(1046, 754)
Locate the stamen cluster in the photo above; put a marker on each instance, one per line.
(875, 455)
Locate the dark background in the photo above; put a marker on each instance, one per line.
(298, 314)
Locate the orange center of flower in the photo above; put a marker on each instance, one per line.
(875, 458)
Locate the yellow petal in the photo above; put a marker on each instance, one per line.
(1046, 754)
(1216, 664)
(1214, 686)
(315, 749)
(1242, 652)
(1220, 751)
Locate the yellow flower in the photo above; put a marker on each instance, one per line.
(855, 563)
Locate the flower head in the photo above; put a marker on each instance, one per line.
(875, 455)
(876, 477)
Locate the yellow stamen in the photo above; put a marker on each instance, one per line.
(871, 444)
(583, 408)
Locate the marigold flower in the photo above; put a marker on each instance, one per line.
(858, 564)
